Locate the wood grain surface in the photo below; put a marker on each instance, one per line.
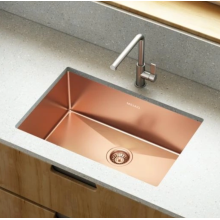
(12, 206)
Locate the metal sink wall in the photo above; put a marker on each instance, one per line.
(91, 117)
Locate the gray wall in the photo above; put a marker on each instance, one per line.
(174, 51)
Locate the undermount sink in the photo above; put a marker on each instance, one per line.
(110, 125)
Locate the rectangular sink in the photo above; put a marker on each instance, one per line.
(110, 125)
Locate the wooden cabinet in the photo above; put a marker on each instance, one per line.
(12, 206)
(35, 180)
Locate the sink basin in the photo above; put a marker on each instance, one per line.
(110, 125)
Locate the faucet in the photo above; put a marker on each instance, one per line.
(141, 74)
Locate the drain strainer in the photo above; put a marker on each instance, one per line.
(119, 156)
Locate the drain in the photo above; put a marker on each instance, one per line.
(119, 156)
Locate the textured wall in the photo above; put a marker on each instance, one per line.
(172, 50)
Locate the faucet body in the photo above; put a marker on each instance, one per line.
(141, 74)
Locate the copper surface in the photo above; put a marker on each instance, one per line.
(133, 115)
(48, 112)
(90, 119)
(93, 140)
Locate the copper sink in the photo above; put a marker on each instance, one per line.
(113, 126)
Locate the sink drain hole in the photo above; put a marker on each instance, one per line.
(119, 156)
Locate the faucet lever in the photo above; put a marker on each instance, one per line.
(150, 76)
(153, 68)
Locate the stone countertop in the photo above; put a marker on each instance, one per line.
(32, 56)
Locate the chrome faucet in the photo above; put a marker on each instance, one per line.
(141, 74)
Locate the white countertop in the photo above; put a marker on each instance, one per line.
(33, 56)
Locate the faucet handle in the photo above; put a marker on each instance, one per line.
(150, 76)
(153, 68)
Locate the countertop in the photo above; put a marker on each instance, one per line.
(32, 56)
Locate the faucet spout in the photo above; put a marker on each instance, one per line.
(138, 38)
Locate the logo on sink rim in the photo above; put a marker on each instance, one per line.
(133, 105)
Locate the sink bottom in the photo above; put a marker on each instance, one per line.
(94, 140)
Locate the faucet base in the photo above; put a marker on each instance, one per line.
(140, 82)
(142, 86)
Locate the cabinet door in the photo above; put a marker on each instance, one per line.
(12, 206)
(62, 192)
